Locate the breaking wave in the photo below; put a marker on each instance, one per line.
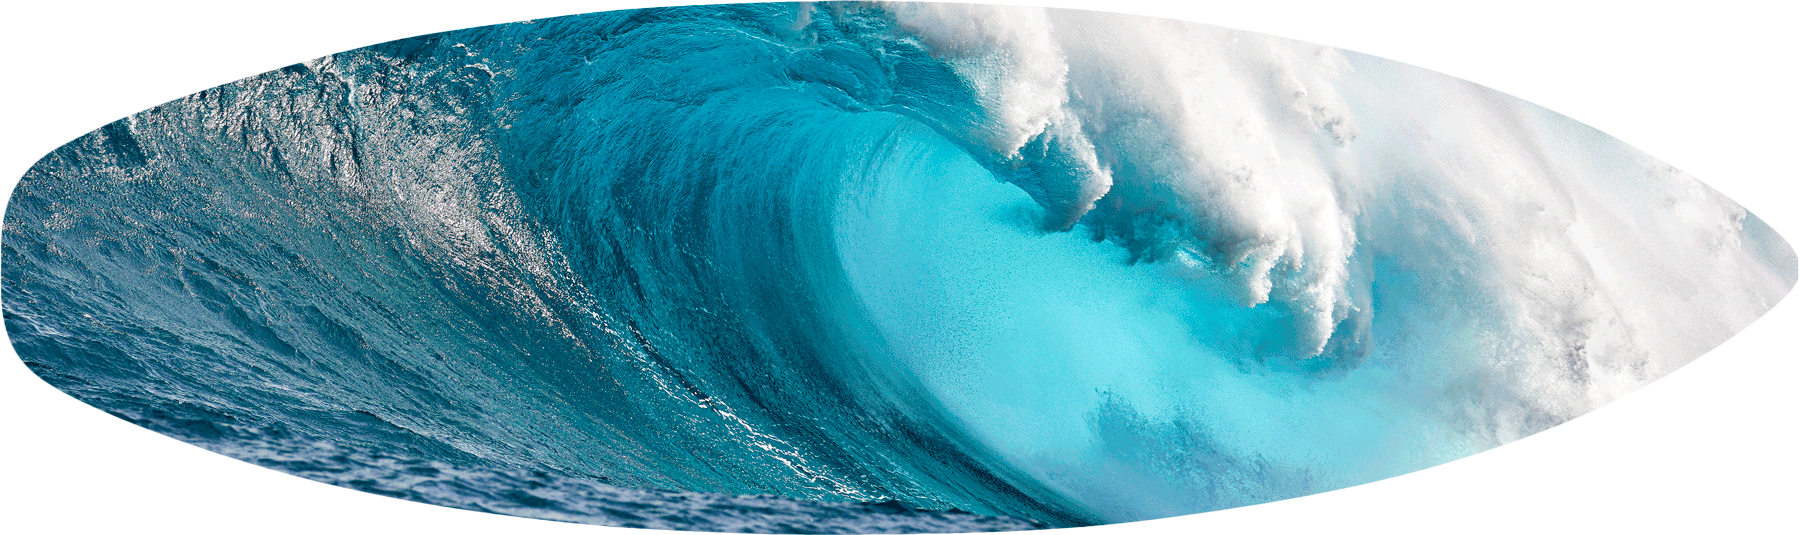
(1063, 266)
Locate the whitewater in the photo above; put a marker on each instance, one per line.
(1062, 266)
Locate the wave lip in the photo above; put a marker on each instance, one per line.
(1062, 266)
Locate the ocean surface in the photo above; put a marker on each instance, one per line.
(863, 268)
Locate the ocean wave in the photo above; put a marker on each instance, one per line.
(1064, 266)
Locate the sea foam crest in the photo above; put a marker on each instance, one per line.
(1190, 127)
(1242, 158)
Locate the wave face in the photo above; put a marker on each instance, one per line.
(1062, 266)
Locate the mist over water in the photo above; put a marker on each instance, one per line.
(1064, 266)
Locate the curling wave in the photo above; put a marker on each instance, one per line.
(1063, 266)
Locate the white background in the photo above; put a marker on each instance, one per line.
(1708, 449)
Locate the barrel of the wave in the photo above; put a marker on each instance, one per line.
(697, 199)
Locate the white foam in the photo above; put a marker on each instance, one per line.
(1589, 268)
(1209, 112)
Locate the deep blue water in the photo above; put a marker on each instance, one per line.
(918, 258)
